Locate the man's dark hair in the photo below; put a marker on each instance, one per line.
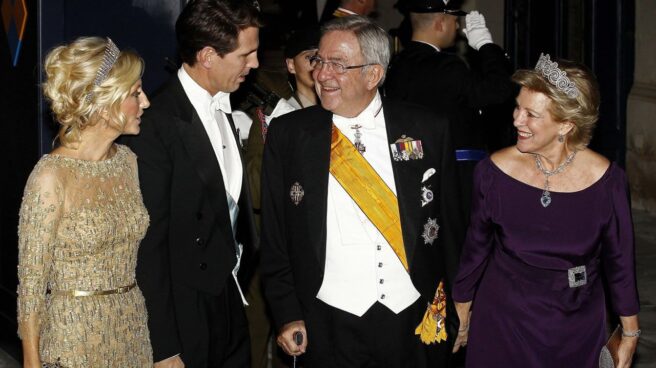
(214, 23)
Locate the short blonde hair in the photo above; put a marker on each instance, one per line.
(70, 73)
(582, 111)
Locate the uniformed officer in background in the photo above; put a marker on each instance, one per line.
(426, 74)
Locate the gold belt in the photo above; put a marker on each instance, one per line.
(76, 293)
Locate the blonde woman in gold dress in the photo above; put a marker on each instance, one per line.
(82, 217)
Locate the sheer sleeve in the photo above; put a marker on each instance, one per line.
(39, 216)
(618, 252)
(479, 240)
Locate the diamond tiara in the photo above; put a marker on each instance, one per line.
(549, 69)
(111, 55)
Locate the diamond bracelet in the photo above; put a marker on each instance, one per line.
(635, 333)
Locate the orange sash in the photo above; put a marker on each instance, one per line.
(368, 190)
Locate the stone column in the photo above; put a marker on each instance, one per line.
(641, 111)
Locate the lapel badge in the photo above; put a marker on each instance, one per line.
(407, 148)
(426, 196)
(427, 174)
(430, 231)
(296, 193)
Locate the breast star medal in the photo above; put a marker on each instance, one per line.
(431, 229)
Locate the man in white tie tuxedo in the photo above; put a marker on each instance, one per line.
(195, 189)
(361, 226)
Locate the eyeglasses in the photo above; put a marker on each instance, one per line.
(317, 63)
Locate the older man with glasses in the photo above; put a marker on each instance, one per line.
(360, 221)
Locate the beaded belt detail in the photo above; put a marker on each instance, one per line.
(79, 293)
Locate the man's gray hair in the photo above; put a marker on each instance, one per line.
(374, 42)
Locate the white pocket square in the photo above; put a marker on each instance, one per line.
(428, 174)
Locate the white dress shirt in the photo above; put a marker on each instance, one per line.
(361, 267)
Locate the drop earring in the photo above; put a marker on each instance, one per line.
(561, 138)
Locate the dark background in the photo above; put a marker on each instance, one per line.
(596, 32)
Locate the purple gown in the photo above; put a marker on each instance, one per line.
(515, 262)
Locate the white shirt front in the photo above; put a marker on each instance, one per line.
(361, 267)
(282, 107)
(243, 124)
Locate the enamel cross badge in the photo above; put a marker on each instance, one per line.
(296, 193)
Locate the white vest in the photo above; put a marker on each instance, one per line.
(361, 268)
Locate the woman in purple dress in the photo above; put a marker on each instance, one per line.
(549, 218)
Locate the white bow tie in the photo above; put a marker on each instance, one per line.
(221, 101)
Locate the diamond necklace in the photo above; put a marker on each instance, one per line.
(545, 199)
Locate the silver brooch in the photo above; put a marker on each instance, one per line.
(426, 196)
(296, 193)
(431, 229)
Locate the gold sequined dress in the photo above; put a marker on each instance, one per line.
(80, 227)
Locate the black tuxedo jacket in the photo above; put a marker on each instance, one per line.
(443, 83)
(293, 247)
(190, 239)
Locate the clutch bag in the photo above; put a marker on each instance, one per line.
(608, 357)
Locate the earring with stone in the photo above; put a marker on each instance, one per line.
(561, 138)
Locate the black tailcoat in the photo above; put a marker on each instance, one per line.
(190, 239)
(293, 248)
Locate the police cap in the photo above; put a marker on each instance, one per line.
(432, 6)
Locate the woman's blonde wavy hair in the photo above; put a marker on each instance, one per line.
(70, 72)
(582, 111)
